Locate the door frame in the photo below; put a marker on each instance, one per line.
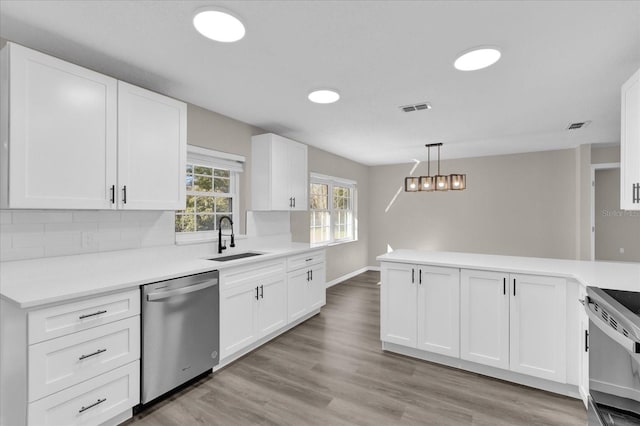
(594, 167)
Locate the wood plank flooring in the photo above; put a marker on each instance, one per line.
(331, 370)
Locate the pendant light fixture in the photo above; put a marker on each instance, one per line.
(456, 181)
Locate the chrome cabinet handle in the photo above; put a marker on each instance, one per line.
(92, 315)
(180, 291)
(98, 352)
(99, 401)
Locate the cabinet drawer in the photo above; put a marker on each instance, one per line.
(304, 260)
(231, 278)
(60, 320)
(59, 363)
(92, 402)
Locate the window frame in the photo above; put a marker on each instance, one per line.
(216, 160)
(331, 181)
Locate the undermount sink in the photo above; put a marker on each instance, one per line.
(235, 256)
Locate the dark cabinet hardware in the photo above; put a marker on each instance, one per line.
(290, 201)
(307, 276)
(311, 271)
(98, 352)
(92, 315)
(413, 275)
(112, 198)
(124, 194)
(514, 286)
(262, 292)
(99, 401)
(257, 296)
(586, 340)
(294, 202)
(636, 193)
(420, 276)
(504, 286)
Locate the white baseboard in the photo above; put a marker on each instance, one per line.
(351, 275)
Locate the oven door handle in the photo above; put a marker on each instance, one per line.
(630, 345)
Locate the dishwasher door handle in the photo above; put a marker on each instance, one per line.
(180, 291)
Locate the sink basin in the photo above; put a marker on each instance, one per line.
(235, 256)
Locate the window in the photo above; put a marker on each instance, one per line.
(211, 180)
(333, 210)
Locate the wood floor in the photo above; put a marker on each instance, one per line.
(331, 370)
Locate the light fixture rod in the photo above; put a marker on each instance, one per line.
(439, 145)
(428, 160)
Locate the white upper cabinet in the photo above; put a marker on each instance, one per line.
(152, 148)
(75, 139)
(59, 133)
(630, 145)
(279, 174)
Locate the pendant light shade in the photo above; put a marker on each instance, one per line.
(458, 182)
(411, 184)
(428, 183)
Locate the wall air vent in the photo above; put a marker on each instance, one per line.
(575, 126)
(416, 107)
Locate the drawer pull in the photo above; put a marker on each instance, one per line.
(92, 315)
(99, 401)
(98, 352)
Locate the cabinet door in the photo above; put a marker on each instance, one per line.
(281, 196)
(538, 326)
(630, 145)
(583, 350)
(398, 321)
(62, 133)
(152, 149)
(298, 175)
(484, 317)
(298, 283)
(272, 305)
(439, 310)
(237, 319)
(317, 295)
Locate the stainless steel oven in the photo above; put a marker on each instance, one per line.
(614, 356)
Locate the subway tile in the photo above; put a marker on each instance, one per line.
(5, 242)
(118, 245)
(71, 227)
(21, 228)
(27, 239)
(140, 216)
(5, 217)
(21, 253)
(96, 216)
(22, 216)
(63, 239)
(65, 250)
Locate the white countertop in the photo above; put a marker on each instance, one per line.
(31, 283)
(613, 275)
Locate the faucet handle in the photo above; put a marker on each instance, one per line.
(224, 244)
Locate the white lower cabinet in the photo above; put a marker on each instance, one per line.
(484, 317)
(583, 366)
(92, 402)
(420, 307)
(515, 322)
(306, 290)
(251, 311)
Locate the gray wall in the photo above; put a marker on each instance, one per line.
(615, 228)
(348, 257)
(522, 205)
(605, 154)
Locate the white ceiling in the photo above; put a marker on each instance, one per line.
(562, 62)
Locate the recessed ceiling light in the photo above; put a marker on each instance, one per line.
(218, 25)
(324, 96)
(477, 58)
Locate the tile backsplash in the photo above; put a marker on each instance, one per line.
(29, 234)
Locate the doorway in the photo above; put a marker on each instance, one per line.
(615, 233)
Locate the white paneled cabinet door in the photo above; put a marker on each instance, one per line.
(62, 133)
(398, 304)
(538, 326)
(317, 287)
(272, 306)
(298, 287)
(484, 317)
(583, 370)
(439, 310)
(237, 319)
(630, 145)
(298, 177)
(280, 193)
(152, 148)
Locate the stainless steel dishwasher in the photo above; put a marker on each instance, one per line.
(180, 332)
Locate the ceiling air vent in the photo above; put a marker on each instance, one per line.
(416, 107)
(574, 126)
